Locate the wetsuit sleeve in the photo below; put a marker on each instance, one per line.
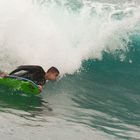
(29, 68)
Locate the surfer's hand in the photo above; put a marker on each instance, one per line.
(40, 88)
(3, 75)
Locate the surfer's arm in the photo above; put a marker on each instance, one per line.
(40, 88)
(29, 68)
(3, 74)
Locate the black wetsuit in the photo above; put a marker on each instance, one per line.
(34, 73)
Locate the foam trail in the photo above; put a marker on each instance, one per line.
(54, 35)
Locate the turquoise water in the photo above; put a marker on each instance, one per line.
(96, 46)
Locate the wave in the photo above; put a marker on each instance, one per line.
(64, 34)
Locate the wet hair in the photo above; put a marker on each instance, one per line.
(53, 70)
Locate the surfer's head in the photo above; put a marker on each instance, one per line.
(52, 74)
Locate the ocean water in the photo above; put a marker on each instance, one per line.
(96, 47)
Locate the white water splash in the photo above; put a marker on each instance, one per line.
(55, 36)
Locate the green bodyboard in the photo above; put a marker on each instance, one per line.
(19, 84)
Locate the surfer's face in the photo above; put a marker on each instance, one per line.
(51, 76)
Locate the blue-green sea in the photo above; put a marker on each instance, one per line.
(96, 47)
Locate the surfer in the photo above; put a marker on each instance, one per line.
(35, 74)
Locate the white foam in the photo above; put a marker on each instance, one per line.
(55, 36)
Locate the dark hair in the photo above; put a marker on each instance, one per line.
(53, 70)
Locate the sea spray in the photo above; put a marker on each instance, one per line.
(55, 35)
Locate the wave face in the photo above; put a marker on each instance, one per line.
(96, 47)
